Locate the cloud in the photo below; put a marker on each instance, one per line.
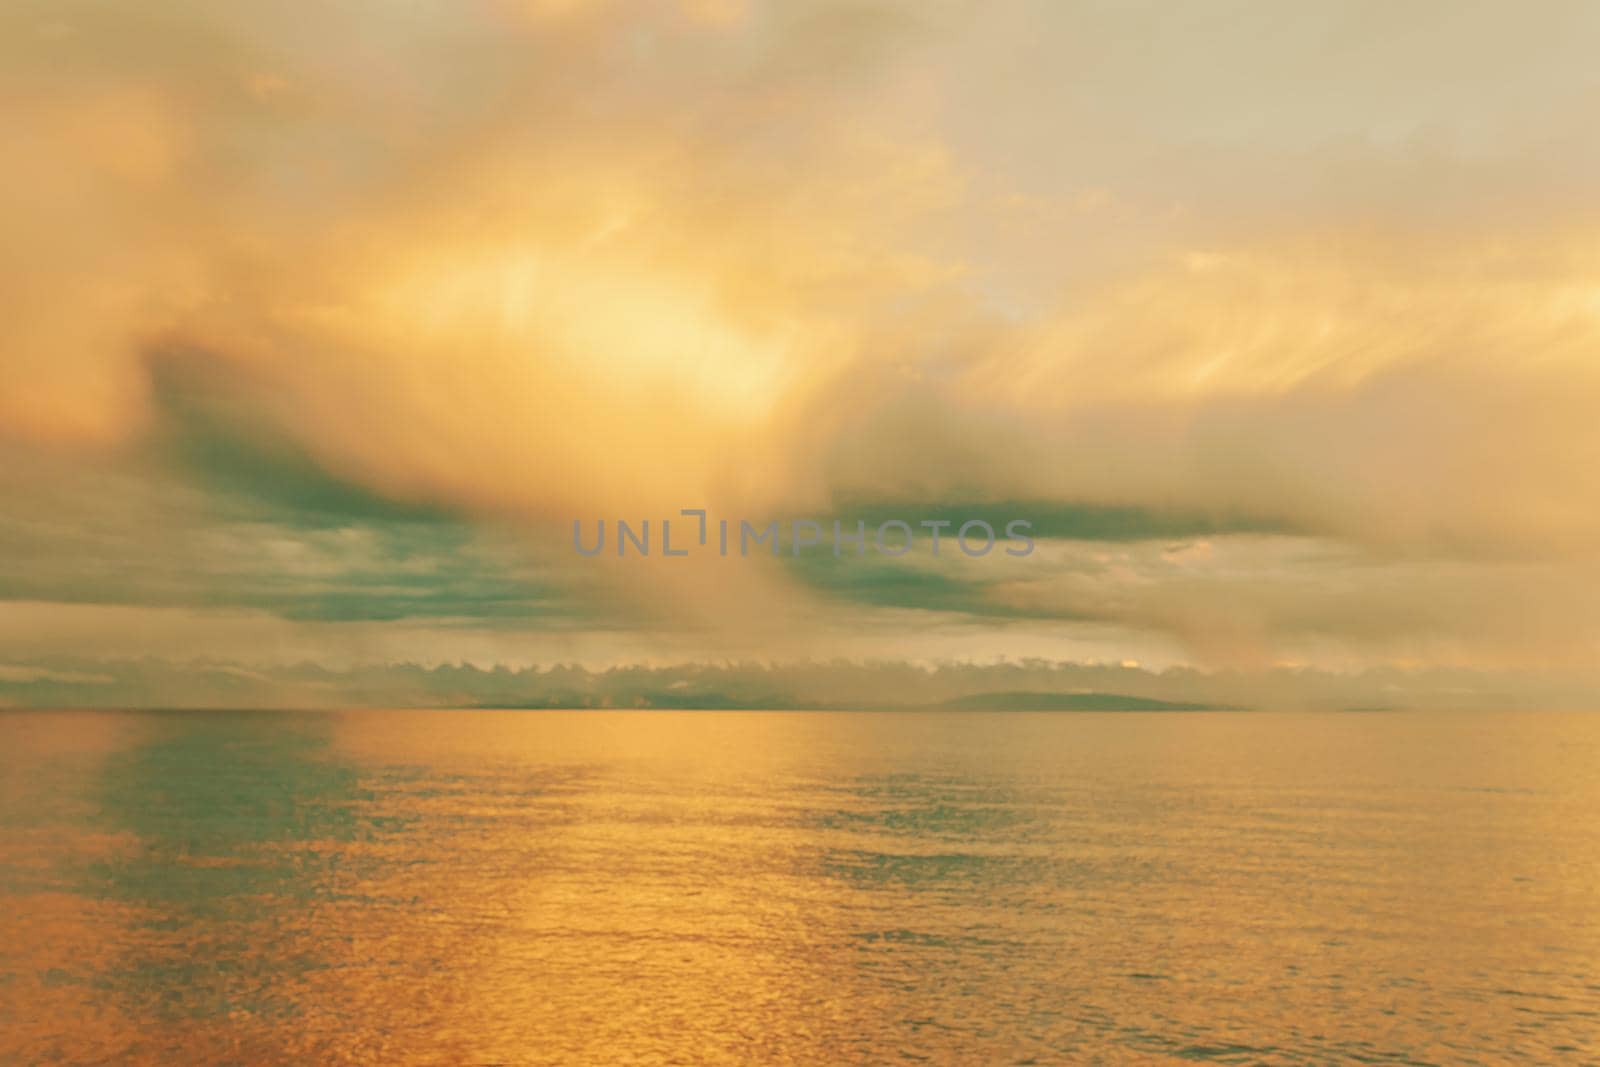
(13, 674)
(1375, 392)
(340, 322)
(309, 548)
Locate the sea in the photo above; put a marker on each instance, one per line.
(680, 887)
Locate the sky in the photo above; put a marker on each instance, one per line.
(1279, 323)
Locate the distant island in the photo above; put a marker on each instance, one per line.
(1036, 701)
(820, 685)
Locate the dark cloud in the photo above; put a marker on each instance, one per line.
(1055, 519)
(259, 528)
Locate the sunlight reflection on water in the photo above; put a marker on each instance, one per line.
(486, 887)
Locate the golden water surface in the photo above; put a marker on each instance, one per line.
(691, 887)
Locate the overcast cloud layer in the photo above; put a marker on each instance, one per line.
(1281, 323)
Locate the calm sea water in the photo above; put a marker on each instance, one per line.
(607, 888)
